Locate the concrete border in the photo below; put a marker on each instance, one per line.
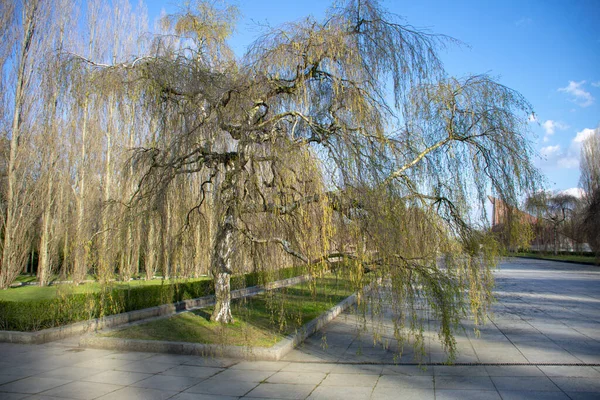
(591, 263)
(273, 353)
(111, 321)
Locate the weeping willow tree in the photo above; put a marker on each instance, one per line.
(340, 139)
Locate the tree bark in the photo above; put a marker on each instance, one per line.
(44, 264)
(224, 248)
(221, 268)
(80, 259)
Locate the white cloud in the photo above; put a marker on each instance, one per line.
(532, 118)
(584, 134)
(550, 151)
(551, 126)
(596, 84)
(568, 162)
(555, 156)
(580, 96)
(575, 192)
(570, 157)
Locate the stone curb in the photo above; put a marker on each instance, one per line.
(593, 264)
(111, 321)
(274, 353)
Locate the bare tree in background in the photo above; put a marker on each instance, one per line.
(555, 210)
(590, 181)
(27, 25)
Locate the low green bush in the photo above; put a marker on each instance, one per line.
(34, 315)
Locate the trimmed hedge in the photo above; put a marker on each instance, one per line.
(35, 315)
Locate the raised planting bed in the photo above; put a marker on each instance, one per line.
(266, 326)
(68, 313)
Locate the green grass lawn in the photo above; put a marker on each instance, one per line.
(25, 293)
(262, 320)
(560, 257)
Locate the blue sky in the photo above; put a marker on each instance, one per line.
(548, 50)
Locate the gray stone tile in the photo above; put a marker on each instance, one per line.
(45, 364)
(459, 370)
(21, 372)
(344, 393)
(309, 378)
(513, 370)
(444, 394)
(14, 396)
(404, 381)
(464, 383)
(570, 371)
(305, 356)
(532, 395)
(385, 393)
(33, 385)
(5, 378)
(281, 391)
(524, 383)
(573, 384)
(308, 367)
(363, 369)
(200, 396)
(103, 363)
(137, 393)
(229, 388)
(211, 362)
(261, 365)
(165, 382)
(145, 367)
(82, 390)
(131, 356)
(583, 395)
(410, 370)
(70, 373)
(350, 380)
(169, 359)
(192, 371)
(243, 375)
(123, 378)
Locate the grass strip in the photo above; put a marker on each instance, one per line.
(574, 258)
(260, 321)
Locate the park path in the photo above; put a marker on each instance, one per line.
(543, 342)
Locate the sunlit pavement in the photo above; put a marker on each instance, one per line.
(542, 343)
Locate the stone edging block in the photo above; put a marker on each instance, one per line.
(273, 353)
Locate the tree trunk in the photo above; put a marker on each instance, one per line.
(44, 264)
(555, 240)
(106, 264)
(221, 264)
(224, 248)
(222, 311)
(80, 259)
(151, 249)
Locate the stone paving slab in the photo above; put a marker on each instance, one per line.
(542, 343)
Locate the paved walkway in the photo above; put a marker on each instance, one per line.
(543, 343)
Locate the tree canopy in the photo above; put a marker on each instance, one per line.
(342, 139)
